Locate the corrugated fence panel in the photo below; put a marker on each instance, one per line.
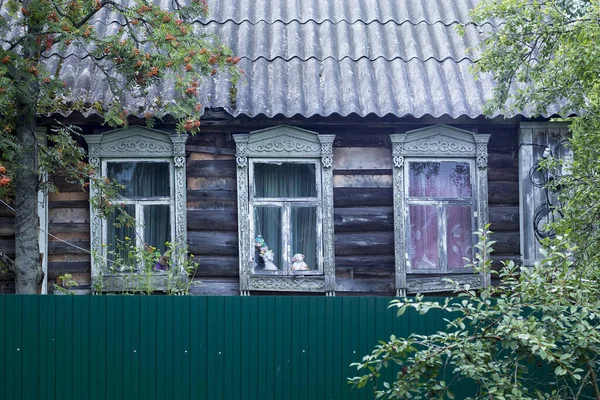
(151, 348)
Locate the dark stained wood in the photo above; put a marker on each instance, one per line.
(503, 219)
(211, 169)
(361, 197)
(81, 227)
(7, 226)
(56, 269)
(216, 287)
(7, 246)
(502, 160)
(214, 266)
(362, 172)
(209, 220)
(69, 204)
(503, 174)
(209, 150)
(506, 243)
(58, 247)
(365, 243)
(214, 196)
(364, 219)
(380, 287)
(367, 265)
(213, 243)
(503, 192)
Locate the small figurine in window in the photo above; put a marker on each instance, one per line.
(268, 257)
(163, 262)
(298, 263)
(259, 242)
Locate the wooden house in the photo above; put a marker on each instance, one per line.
(354, 158)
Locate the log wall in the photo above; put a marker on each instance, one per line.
(363, 206)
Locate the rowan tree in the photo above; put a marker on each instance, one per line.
(145, 46)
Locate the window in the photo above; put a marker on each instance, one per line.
(151, 167)
(285, 210)
(440, 199)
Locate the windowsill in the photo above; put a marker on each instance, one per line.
(287, 283)
(158, 281)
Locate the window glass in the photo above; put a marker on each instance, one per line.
(440, 179)
(268, 243)
(303, 238)
(121, 240)
(424, 237)
(157, 228)
(459, 236)
(141, 179)
(284, 180)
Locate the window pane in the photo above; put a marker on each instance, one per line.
(120, 243)
(424, 237)
(267, 228)
(141, 179)
(157, 229)
(459, 235)
(284, 180)
(439, 179)
(303, 238)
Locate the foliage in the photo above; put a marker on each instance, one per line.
(138, 49)
(136, 268)
(67, 283)
(545, 58)
(502, 341)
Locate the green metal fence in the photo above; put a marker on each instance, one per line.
(158, 347)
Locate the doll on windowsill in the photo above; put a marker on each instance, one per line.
(163, 262)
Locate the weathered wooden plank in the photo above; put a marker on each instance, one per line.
(361, 197)
(382, 287)
(502, 160)
(210, 183)
(75, 227)
(216, 287)
(69, 204)
(209, 220)
(367, 265)
(211, 169)
(503, 192)
(503, 174)
(69, 215)
(213, 243)
(363, 219)
(376, 243)
(7, 226)
(504, 219)
(214, 196)
(209, 150)
(214, 266)
(72, 247)
(506, 243)
(7, 246)
(362, 181)
(357, 158)
(56, 269)
(375, 172)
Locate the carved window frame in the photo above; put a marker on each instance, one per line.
(295, 145)
(440, 143)
(139, 144)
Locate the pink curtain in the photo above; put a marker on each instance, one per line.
(448, 180)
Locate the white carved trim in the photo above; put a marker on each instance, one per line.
(285, 142)
(439, 141)
(140, 143)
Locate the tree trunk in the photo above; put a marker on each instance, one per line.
(27, 267)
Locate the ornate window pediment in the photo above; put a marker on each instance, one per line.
(440, 199)
(150, 165)
(285, 210)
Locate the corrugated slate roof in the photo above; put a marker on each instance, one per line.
(315, 57)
